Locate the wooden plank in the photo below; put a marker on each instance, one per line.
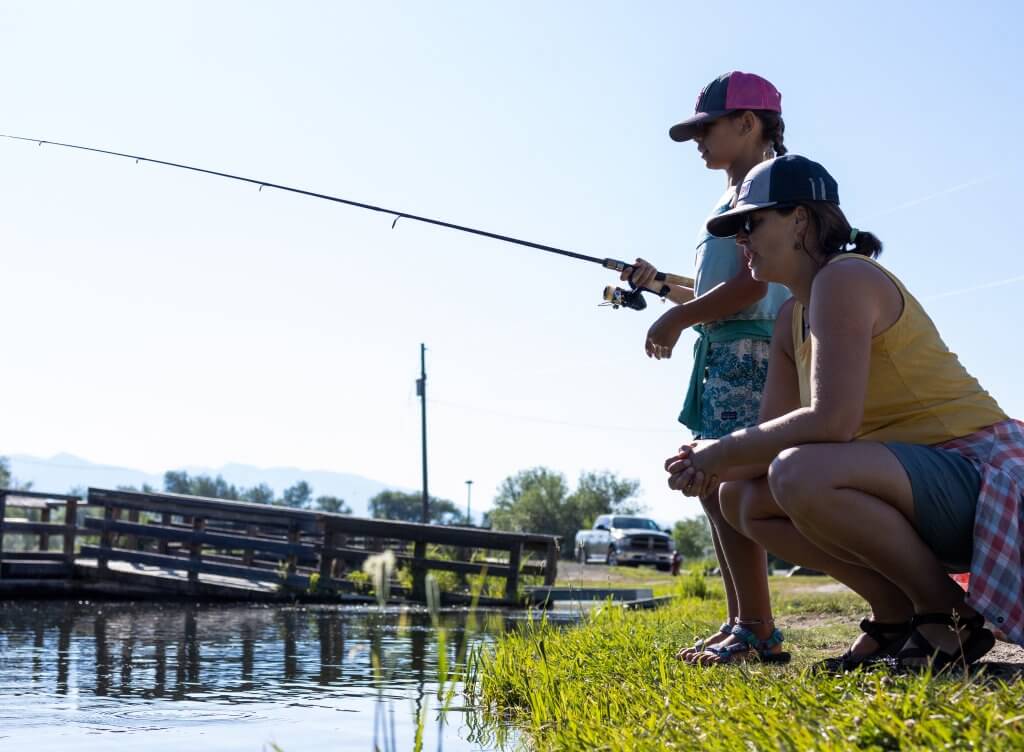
(37, 568)
(15, 493)
(33, 556)
(187, 506)
(17, 526)
(214, 540)
(191, 567)
(15, 502)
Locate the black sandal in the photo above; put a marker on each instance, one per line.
(979, 641)
(890, 636)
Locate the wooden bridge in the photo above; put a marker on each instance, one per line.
(148, 545)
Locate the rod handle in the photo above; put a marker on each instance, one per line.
(668, 279)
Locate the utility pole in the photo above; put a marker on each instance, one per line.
(469, 491)
(421, 392)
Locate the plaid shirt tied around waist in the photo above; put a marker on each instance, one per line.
(997, 562)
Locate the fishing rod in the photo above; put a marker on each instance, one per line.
(616, 297)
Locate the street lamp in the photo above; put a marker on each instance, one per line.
(469, 490)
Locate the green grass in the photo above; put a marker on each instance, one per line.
(612, 683)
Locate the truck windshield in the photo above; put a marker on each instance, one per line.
(634, 523)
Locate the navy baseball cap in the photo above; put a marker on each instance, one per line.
(729, 92)
(783, 181)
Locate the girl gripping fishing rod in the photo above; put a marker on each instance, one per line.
(736, 125)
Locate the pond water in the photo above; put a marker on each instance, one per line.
(143, 676)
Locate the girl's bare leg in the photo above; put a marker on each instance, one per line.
(713, 511)
(747, 564)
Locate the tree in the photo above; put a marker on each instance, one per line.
(334, 504)
(538, 500)
(693, 537)
(298, 496)
(9, 481)
(602, 493)
(408, 507)
(261, 494)
(178, 481)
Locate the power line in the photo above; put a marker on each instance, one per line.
(551, 421)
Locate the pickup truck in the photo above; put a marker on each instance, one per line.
(625, 539)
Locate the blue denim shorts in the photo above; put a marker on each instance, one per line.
(946, 487)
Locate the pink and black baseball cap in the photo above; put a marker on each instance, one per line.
(730, 92)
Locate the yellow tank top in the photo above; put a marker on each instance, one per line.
(918, 391)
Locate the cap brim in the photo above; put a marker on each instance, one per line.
(689, 128)
(729, 223)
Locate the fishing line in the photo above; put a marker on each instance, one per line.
(615, 297)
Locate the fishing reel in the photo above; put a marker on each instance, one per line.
(617, 298)
(633, 298)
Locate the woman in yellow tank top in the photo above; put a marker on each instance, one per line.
(860, 466)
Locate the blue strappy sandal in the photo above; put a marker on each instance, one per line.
(725, 629)
(699, 645)
(751, 647)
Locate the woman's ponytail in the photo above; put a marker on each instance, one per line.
(835, 234)
(864, 243)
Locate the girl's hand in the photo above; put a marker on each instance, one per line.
(664, 334)
(695, 469)
(640, 273)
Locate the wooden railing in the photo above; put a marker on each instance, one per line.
(282, 546)
(40, 530)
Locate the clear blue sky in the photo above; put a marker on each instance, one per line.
(156, 318)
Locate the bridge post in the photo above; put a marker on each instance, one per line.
(70, 527)
(515, 556)
(195, 555)
(293, 537)
(165, 521)
(106, 537)
(3, 512)
(44, 538)
(419, 571)
(326, 557)
(551, 564)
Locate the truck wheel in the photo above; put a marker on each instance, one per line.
(664, 567)
(581, 556)
(613, 557)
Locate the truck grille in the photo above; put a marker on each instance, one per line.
(648, 542)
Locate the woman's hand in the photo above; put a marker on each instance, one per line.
(696, 468)
(641, 273)
(664, 333)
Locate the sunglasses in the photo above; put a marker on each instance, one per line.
(750, 223)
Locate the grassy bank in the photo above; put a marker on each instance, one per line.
(612, 684)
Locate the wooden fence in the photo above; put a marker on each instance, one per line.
(191, 544)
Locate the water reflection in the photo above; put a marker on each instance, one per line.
(145, 665)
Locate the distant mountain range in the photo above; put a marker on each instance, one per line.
(63, 472)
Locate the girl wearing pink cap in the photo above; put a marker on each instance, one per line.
(737, 124)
